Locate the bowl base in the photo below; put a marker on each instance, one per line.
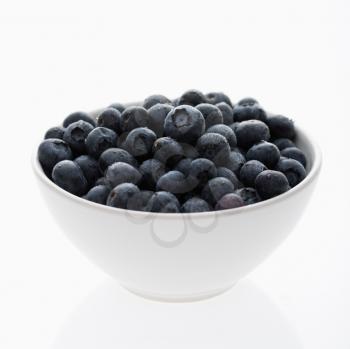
(177, 298)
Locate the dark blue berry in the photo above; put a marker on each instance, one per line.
(296, 154)
(69, 176)
(151, 170)
(121, 194)
(229, 201)
(201, 170)
(218, 97)
(102, 181)
(192, 97)
(189, 151)
(75, 135)
(185, 124)
(249, 195)
(113, 155)
(293, 170)
(251, 132)
(139, 142)
(164, 202)
(216, 188)
(176, 182)
(133, 117)
(121, 172)
(157, 115)
(51, 151)
(110, 118)
(248, 102)
(249, 171)
(212, 114)
(184, 166)
(78, 116)
(271, 183)
(89, 167)
(225, 131)
(283, 143)
(281, 127)
(139, 200)
(155, 99)
(226, 173)
(118, 106)
(227, 113)
(195, 204)
(243, 112)
(167, 151)
(214, 147)
(98, 194)
(99, 140)
(55, 132)
(234, 126)
(235, 161)
(265, 152)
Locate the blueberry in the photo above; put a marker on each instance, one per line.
(102, 181)
(265, 152)
(121, 194)
(121, 172)
(227, 113)
(133, 117)
(167, 151)
(151, 170)
(157, 115)
(163, 201)
(248, 102)
(212, 114)
(118, 106)
(98, 194)
(251, 132)
(283, 143)
(139, 142)
(250, 170)
(195, 204)
(139, 200)
(218, 97)
(176, 182)
(78, 116)
(183, 166)
(293, 170)
(155, 99)
(226, 173)
(201, 171)
(99, 140)
(110, 118)
(229, 201)
(249, 195)
(113, 155)
(55, 132)
(234, 126)
(247, 111)
(281, 127)
(225, 131)
(75, 135)
(51, 151)
(216, 188)
(189, 151)
(271, 183)
(69, 176)
(214, 147)
(185, 124)
(192, 97)
(90, 168)
(235, 161)
(296, 154)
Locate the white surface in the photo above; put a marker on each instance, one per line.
(58, 57)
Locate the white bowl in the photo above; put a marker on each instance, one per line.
(180, 257)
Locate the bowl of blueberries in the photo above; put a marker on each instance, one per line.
(177, 199)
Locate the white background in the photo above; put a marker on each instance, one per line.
(58, 57)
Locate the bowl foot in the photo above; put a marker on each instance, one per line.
(178, 298)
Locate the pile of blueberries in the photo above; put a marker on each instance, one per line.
(197, 153)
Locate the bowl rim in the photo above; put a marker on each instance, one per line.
(311, 176)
